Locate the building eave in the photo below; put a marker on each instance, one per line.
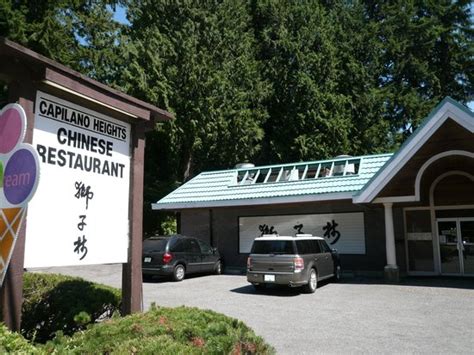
(253, 202)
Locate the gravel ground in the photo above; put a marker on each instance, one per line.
(421, 315)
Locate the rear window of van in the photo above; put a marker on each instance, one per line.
(273, 247)
(155, 245)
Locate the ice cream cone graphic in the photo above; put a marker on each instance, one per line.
(10, 222)
(19, 173)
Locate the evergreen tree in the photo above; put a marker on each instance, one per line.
(197, 60)
(428, 54)
(79, 34)
(308, 117)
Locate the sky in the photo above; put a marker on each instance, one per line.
(120, 15)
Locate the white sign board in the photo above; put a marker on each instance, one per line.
(343, 231)
(80, 212)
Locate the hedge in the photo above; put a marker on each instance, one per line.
(14, 343)
(55, 302)
(179, 330)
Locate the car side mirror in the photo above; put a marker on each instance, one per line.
(333, 251)
(214, 250)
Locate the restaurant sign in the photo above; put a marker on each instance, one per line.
(81, 211)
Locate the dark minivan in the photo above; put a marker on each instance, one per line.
(177, 255)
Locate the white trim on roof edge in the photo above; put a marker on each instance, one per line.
(432, 160)
(419, 175)
(253, 202)
(394, 165)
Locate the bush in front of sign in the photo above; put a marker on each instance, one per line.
(162, 330)
(55, 302)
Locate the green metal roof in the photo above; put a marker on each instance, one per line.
(229, 188)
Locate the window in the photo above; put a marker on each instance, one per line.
(307, 247)
(273, 247)
(191, 246)
(302, 247)
(205, 248)
(315, 247)
(311, 171)
(324, 246)
(177, 246)
(155, 245)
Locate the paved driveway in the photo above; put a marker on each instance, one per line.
(420, 316)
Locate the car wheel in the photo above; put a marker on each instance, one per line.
(218, 268)
(312, 282)
(179, 272)
(337, 273)
(147, 277)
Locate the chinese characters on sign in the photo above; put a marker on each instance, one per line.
(299, 228)
(85, 192)
(264, 229)
(331, 232)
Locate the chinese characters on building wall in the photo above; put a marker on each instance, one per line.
(343, 231)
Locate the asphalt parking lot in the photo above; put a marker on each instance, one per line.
(431, 315)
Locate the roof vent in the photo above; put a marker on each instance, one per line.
(244, 166)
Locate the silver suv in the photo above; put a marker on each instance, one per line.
(302, 260)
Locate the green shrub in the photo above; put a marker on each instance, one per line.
(179, 330)
(62, 303)
(14, 343)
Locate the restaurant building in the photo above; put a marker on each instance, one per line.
(410, 212)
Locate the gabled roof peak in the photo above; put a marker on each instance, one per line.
(448, 108)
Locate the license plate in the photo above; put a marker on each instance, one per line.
(147, 260)
(269, 278)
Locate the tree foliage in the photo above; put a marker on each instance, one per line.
(427, 54)
(79, 34)
(264, 81)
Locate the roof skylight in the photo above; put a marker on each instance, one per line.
(299, 172)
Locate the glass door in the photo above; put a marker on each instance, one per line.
(467, 244)
(448, 247)
(456, 246)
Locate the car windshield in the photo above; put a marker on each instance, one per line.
(273, 247)
(155, 245)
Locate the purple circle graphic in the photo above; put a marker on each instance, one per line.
(10, 130)
(19, 177)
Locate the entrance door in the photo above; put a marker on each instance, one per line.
(456, 246)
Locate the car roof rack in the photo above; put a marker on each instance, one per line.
(270, 235)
